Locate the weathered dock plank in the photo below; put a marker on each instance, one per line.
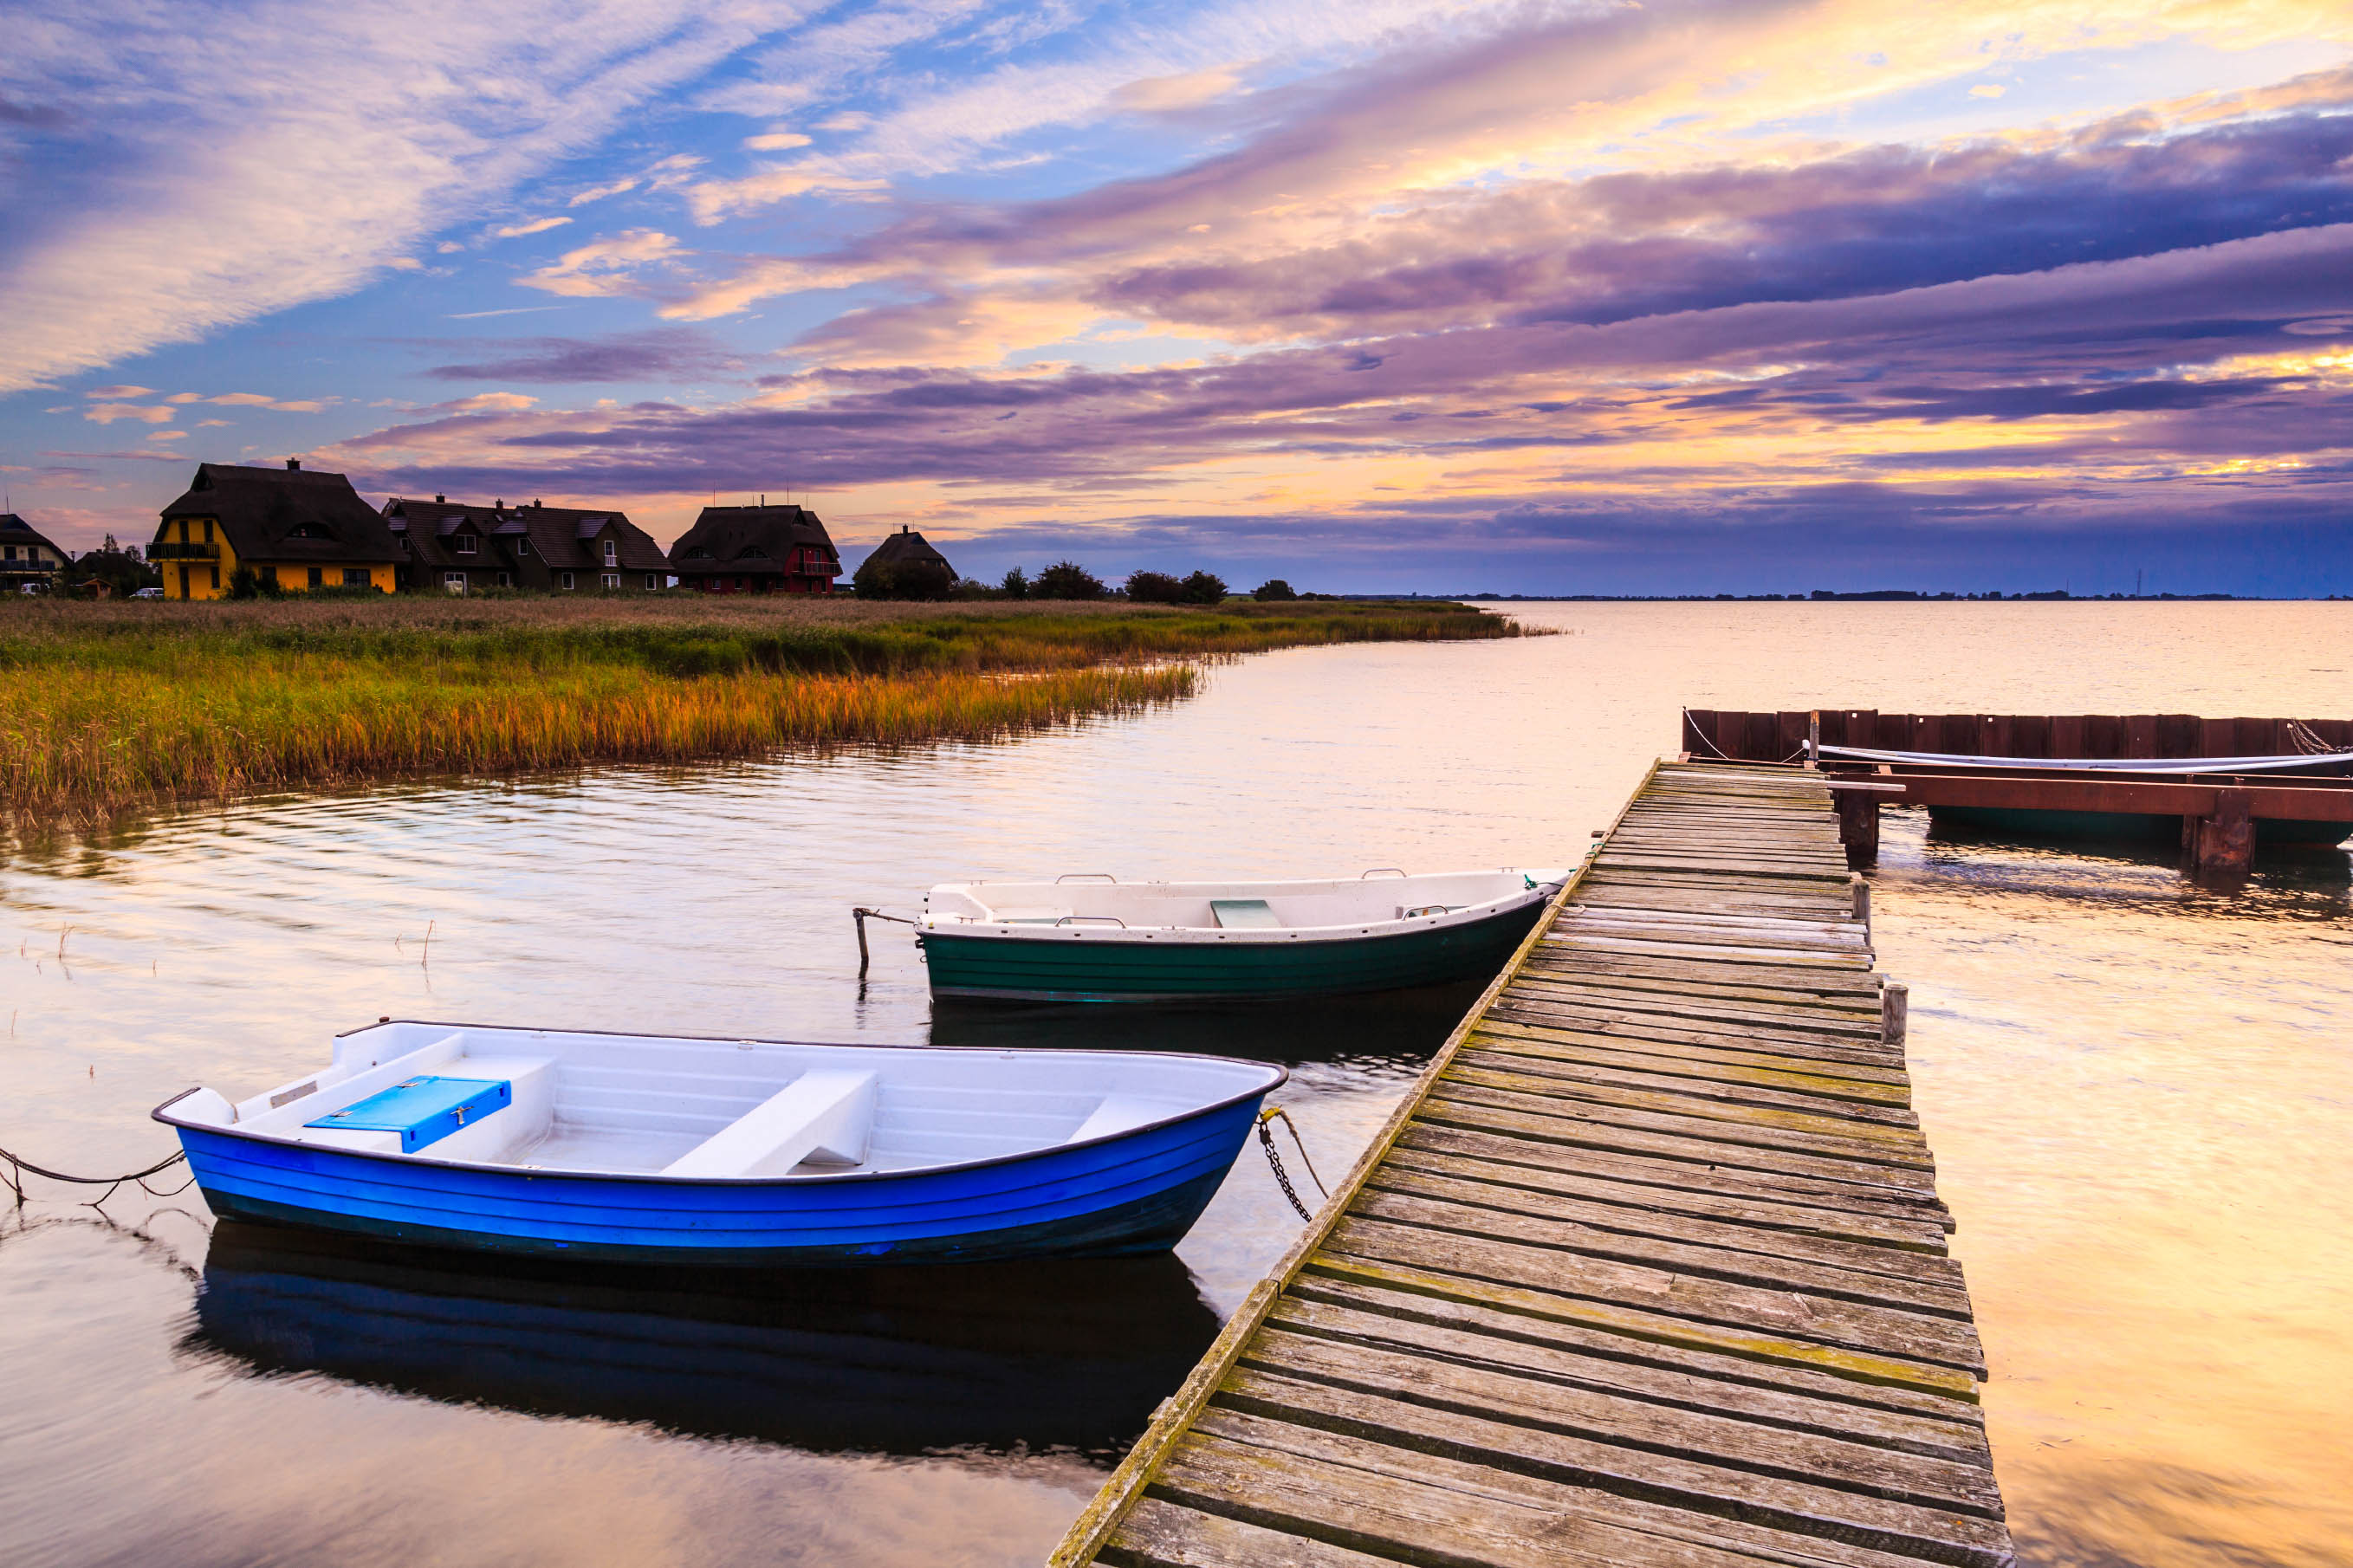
(1650, 1269)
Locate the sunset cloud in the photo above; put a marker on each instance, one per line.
(1541, 281)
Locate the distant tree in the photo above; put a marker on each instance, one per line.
(1155, 588)
(1272, 589)
(1067, 580)
(973, 588)
(1205, 588)
(108, 572)
(1016, 584)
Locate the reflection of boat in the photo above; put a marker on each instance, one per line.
(1097, 940)
(757, 1153)
(2275, 830)
(995, 1356)
(1388, 1033)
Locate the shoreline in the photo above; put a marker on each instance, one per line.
(118, 706)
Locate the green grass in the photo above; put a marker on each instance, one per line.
(110, 705)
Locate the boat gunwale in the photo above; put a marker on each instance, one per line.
(1281, 1076)
(929, 923)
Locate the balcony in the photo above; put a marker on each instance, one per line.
(168, 551)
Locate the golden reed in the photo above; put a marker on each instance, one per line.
(113, 705)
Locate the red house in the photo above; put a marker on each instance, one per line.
(757, 550)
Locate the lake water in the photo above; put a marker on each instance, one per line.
(2138, 1091)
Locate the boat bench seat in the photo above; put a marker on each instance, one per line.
(827, 1113)
(1243, 914)
(1120, 1113)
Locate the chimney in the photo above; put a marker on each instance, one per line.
(295, 465)
(440, 501)
(538, 505)
(499, 506)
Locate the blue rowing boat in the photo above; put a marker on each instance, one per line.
(670, 1150)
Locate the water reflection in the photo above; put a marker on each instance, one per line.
(2137, 1088)
(993, 1358)
(1393, 1032)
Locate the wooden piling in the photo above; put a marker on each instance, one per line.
(1858, 826)
(1649, 1270)
(2223, 840)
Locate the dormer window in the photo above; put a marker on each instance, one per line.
(305, 531)
(465, 544)
(612, 554)
(698, 553)
(523, 545)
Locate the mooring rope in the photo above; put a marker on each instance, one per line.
(15, 1178)
(1282, 1177)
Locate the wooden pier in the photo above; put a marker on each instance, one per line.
(1989, 766)
(1648, 1270)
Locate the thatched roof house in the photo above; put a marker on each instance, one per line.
(302, 530)
(27, 555)
(757, 550)
(460, 548)
(905, 566)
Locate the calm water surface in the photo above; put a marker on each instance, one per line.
(2138, 1091)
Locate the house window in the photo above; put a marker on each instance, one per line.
(215, 577)
(454, 581)
(506, 579)
(355, 577)
(269, 574)
(317, 577)
(612, 579)
(9, 554)
(523, 546)
(652, 580)
(209, 531)
(612, 556)
(465, 544)
(568, 581)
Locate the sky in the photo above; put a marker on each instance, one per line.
(1684, 296)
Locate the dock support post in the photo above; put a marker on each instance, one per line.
(2224, 841)
(859, 916)
(1814, 739)
(1861, 891)
(1895, 1012)
(1858, 819)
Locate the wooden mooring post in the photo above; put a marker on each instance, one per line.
(1649, 1270)
(2225, 840)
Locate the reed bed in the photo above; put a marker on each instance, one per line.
(113, 705)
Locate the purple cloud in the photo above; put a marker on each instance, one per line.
(659, 354)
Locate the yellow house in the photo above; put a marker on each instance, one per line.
(300, 529)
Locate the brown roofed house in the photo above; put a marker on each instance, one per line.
(300, 529)
(757, 550)
(905, 566)
(461, 548)
(26, 558)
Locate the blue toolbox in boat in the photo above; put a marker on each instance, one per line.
(423, 1111)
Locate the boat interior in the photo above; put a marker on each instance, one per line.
(538, 1100)
(1373, 897)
